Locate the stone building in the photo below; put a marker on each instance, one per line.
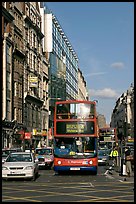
(25, 74)
(123, 115)
(82, 87)
(7, 74)
(101, 121)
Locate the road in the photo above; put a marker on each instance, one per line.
(72, 187)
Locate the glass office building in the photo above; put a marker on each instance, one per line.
(63, 71)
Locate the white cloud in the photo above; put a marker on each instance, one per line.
(95, 73)
(106, 93)
(117, 65)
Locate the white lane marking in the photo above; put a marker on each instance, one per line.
(91, 185)
(106, 172)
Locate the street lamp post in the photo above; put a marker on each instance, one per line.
(50, 116)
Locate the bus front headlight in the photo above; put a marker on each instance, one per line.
(90, 162)
(59, 162)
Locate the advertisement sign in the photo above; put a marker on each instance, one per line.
(28, 135)
(107, 139)
(34, 132)
(33, 81)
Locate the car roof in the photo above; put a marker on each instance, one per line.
(44, 148)
(20, 153)
(12, 149)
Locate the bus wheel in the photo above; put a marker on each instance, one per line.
(94, 172)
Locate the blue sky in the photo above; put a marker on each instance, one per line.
(102, 35)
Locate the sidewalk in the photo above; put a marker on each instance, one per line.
(113, 171)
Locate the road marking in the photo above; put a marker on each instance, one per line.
(91, 185)
(106, 172)
(109, 176)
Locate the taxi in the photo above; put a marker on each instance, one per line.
(44, 156)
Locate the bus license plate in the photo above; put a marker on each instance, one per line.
(73, 168)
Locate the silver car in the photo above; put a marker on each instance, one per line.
(20, 165)
(103, 157)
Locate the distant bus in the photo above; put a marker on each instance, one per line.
(108, 137)
(75, 136)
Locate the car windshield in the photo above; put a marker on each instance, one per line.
(4, 154)
(19, 158)
(102, 153)
(44, 151)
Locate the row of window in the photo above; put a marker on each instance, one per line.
(33, 116)
(32, 13)
(70, 91)
(18, 114)
(33, 62)
(18, 21)
(71, 80)
(18, 89)
(61, 45)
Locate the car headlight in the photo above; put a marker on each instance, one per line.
(29, 167)
(4, 168)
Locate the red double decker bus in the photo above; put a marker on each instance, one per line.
(108, 137)
(75, 136)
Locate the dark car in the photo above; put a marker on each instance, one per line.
(103, 157)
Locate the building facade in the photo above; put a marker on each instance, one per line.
(7, 74)
(39, 67)
(82, 87)
(63, 70)
(101, 121)
(25, 75)
(123, 115)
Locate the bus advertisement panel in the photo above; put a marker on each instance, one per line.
(75, 136)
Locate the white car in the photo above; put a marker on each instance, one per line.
(20, 165)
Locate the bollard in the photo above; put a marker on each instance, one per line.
(124, 170)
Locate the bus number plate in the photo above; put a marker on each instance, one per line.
(73, 168)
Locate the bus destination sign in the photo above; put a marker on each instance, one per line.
(75, 128)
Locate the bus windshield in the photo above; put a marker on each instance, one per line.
(75, 110)
(75, 147)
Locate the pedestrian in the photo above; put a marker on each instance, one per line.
(128, 158)
(114, 154)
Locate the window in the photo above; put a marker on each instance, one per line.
(15, 89)
(15, 113)
(8, 108)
